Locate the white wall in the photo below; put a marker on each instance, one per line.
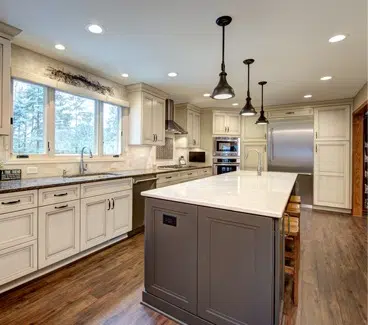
(360, 97)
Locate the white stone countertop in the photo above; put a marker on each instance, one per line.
(241, 191)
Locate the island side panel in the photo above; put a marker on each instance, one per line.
(171, 252)
(235, 267)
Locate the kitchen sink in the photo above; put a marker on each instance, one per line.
(89, 175)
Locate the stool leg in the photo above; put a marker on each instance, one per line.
(297, 267)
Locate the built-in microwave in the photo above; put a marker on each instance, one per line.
(226, 147)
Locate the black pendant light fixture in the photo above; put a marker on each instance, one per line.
(248, 109)
(262, 119)
(223, 90)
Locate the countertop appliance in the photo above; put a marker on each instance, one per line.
(141, 184)
(197, 156)
(182, 161)
(222, 165)
(290, 149)
(226, 146)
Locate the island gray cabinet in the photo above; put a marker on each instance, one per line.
(171, 253)
(235, 267)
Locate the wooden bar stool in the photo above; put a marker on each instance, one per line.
(295, 199)
(293, 209)
(292, 255)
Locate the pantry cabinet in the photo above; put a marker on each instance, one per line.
(59, 232)
(227, 124)
(146, 115)
(252, 132)
(5, 56)
(188, 116)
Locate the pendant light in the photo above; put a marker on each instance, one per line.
(223, 90)
(262, 119)
(248, 109)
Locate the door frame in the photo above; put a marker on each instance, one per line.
(358, 159)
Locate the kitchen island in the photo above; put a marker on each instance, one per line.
(214, 249)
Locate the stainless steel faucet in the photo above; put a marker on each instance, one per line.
(259, 165)
(82, 167)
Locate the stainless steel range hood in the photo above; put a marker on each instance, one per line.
(170, 125)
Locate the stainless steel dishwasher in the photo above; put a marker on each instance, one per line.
(141, 184)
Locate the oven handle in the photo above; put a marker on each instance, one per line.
(230, 164)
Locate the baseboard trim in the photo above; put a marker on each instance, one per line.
(53, 267)
(331, 209)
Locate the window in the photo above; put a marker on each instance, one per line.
(28, 118)
(74, 123)
(50, 122)
(111, 129)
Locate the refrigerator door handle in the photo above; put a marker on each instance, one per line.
(272, 145)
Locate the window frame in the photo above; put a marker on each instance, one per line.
(49, 129)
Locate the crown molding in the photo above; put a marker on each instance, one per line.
(8, 32)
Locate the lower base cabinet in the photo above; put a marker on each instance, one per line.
(18, 261)
(105, 217)
(59, 232)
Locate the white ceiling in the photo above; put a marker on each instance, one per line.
(147, 39)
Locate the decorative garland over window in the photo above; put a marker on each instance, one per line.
(79, 81)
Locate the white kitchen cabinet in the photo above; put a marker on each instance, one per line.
(146, 115)
(251, 162)
(94, 220)
(252, 132)
(59, 232)
(58, 194)
(5, 56)
(189, 118)
(18, 227)
(287, 113)
(226, 124)
(10, 202)
(332, 123)
(331, 174)
(121, 213)
(17, 261)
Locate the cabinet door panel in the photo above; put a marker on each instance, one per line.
(121, 213)
(171, 252)
(252, 132)
(94, 221)
(197, 130)
(147, 110)
(158, 120)
(229, 295)
(251, 162)
(219, 123)
(190, 121)
(330, 190)
(332, 123)
(59, 231)
(233, 124)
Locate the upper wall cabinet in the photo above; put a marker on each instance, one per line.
(146, 115)
(189, 117)
(227, 124)
(332, 123)
(252, 132)
(5, 49)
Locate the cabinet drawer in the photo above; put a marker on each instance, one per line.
(16, 201)
(18, 261)
(58, 194)
(18, 227)
(100, 188)
(169, 177)
(189, 174)
(206, 172)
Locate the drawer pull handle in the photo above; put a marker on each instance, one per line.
(168, 177)
(113, 204)
(109, 205)
(289, 113)
(61, 206)
(190, 173)
(10, 202)
(62, 194)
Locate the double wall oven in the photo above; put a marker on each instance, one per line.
(226, 155)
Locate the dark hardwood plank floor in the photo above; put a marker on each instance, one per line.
(105, 288)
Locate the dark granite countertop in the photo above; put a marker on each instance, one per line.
(44, 182)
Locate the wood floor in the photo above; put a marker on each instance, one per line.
(105, 288)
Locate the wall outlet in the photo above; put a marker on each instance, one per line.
(32, 170)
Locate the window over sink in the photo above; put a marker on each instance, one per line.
(51, 123)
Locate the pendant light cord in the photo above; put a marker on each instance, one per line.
(248, 93)
(223, 49)
(262, 99)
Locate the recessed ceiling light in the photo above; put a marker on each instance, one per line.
(337, 38)
(124, 75)
(206, 95)
(172, 74)
(60, 47)
(326, 78)
(95, 29)
(235, 104)
(308, 96)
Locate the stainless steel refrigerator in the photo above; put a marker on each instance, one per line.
(290, 149)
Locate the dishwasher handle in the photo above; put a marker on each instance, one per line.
(145, 180)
